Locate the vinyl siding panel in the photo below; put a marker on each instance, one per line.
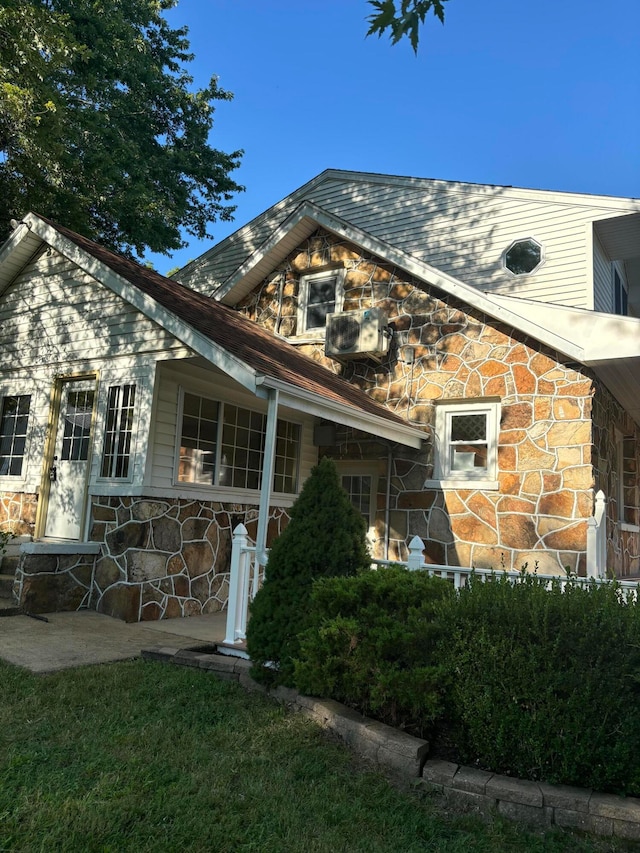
(54, 313)
(602, 291)
(461, 229)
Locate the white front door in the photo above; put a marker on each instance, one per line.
(68, 473)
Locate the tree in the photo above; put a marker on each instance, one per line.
(404, 21)
(324, 538)
(99, 128)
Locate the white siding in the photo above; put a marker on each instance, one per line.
(208, 383)
(602, 289)
(462, 229)
(55, 314)
(55, 321)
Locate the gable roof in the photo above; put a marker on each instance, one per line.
(248, 353)
(608, 343)
(412, 214)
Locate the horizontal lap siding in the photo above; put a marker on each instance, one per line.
(460, 229)
(54, 313)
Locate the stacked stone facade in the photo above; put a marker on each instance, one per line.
(165, 558)
(18, 512)
(546, 470)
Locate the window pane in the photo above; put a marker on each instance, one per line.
(198, 438)
(469, 427)
(13, 432)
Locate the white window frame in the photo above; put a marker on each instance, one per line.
(477, 478)
(303, 299)
(620, 292)
(227, 493)
(528, 239)
(99, 437)
(10, 481)
(620, 498)
(356, 468)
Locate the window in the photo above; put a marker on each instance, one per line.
(523, 256)
(77, 426)
(223, 445)
(620, 297)
(466, 442)
(116, 453)
(319, 294)
(626, 491)
(13, 433)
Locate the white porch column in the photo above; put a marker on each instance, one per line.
(268, 464)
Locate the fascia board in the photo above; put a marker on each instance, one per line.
(272, 211)
(22, 234)
(199, 343)
(304, 210)
(305, 401)
(415, 267)
(453, 286)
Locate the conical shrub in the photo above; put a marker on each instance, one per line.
(325, 537)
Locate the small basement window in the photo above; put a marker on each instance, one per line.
(523, 256)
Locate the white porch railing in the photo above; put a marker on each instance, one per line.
(597, 539)
(245, 577)
(246, 573)
(459, 575)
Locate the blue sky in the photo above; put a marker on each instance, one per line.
(540, 94)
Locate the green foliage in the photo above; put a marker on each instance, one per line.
(177, 760)
(545, 682)
(99, 128)
(404, 21)
(324, 538)
(372, 645)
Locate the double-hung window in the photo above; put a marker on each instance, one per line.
(466, 444)
(320, 294)
(223, 445)
(14, 421)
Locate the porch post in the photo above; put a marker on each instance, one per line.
(268, 464)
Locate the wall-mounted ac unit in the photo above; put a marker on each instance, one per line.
(357, 334)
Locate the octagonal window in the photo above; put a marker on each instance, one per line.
(523, 256)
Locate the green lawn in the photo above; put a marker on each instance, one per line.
(144, 756)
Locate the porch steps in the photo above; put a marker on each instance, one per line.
(8, 605)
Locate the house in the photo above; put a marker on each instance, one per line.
(468, 354)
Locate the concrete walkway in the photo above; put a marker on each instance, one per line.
(85, 637)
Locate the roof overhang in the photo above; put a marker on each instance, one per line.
(608, 343)
(33, 233)
(619, 236)
(296, 398)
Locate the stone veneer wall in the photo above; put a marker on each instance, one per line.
(165, 558)
(538, 515)
(623, 546)
(18, 512)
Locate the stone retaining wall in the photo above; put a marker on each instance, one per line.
(534, 803)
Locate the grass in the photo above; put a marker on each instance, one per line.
(141, 756)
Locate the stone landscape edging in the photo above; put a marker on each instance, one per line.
(535, 803)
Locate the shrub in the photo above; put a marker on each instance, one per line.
(371, 645)
(545, 682)
(325, 537)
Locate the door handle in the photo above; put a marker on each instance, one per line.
(53, 473)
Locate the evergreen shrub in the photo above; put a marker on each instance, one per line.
(372, 645)
(325, 537)
(545, 683)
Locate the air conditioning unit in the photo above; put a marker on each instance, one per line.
(357, 334)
